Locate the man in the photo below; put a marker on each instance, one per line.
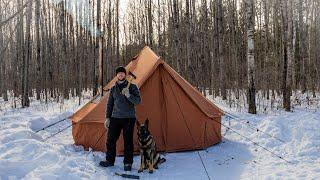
(120, 115)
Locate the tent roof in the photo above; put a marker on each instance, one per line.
(142, 66)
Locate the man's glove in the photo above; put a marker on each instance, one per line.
(106, 123)
(125, 91)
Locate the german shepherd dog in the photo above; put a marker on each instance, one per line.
(150, 158)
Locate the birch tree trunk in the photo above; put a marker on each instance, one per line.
(250, 56)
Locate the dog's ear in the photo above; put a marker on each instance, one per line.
(146, 123)
(138, 124)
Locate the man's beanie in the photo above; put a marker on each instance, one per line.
(121, 69)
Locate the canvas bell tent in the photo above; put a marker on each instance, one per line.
(180, 117)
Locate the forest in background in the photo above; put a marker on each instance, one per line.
(51, 48)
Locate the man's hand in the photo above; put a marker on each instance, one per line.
(125, 91)
(106, 123)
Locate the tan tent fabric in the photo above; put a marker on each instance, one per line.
(180, 117)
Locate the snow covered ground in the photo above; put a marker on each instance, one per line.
(25, 154)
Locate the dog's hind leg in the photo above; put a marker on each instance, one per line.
(156, 160)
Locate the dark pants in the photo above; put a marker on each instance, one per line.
(115, 127)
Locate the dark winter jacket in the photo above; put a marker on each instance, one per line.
(119, 106)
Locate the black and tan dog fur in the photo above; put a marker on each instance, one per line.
(150, 158)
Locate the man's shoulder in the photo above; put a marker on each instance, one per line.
(133, 85)
(112, 87)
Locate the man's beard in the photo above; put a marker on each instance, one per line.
(121, 80)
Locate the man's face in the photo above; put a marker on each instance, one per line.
(121, 76)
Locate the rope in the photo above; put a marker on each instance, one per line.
(61, 130)
(225, 133)
(255, 143)
(91, 150)
(190, 132)
(253, 128)
(51, 124)
(164, 105)
(94, 146)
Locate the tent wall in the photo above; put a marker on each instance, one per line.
(88, 134)
(212, 132)
(185, 121)
(152, 107)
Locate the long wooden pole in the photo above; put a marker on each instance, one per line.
(100, 37)
(101, 63)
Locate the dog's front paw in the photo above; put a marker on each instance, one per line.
(140, 170)
(150, 171)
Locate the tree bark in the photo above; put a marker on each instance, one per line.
(25, 102)
(250, 56)
(221, 57)
(38, 60)
(287, 54)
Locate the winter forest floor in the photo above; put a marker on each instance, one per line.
(25, 154)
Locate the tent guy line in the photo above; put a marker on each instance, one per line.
(44, 128)
(58, 132)
(255, 143)
(247, 123)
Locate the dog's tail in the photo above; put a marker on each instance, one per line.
(162, 160)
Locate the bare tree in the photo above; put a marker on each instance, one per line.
(25, 102)
(250, 56)
(221, 50)
(288, 52)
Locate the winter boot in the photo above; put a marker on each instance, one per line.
(127, 167)
(106, 163)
